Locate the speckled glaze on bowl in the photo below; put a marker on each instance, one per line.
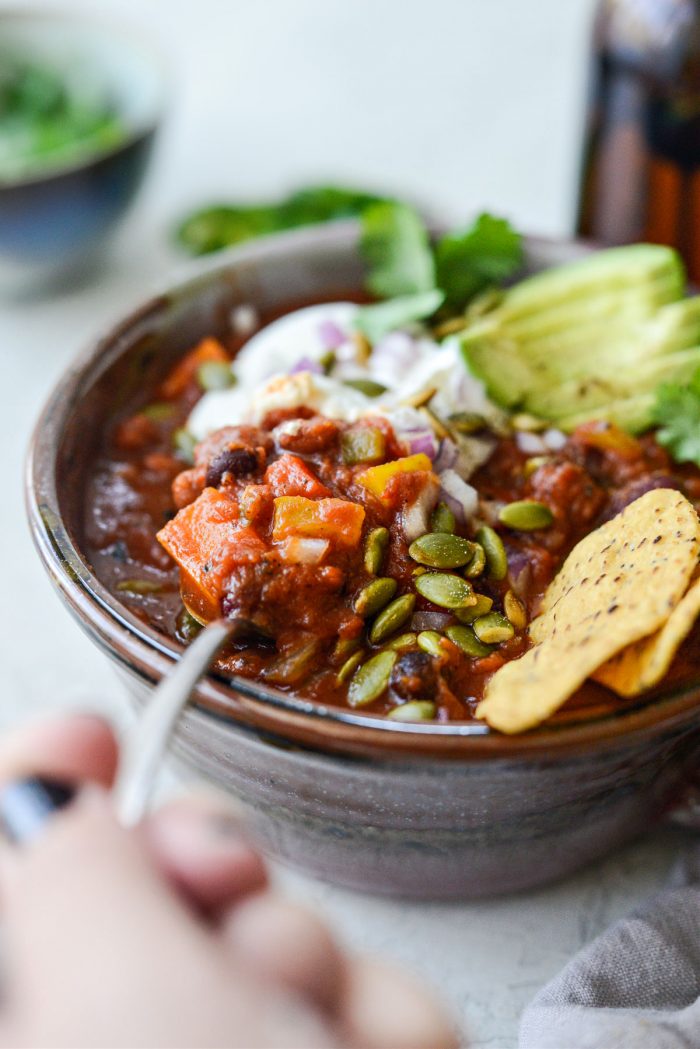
(53, 222)
(424, 811)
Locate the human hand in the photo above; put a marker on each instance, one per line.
(169, 935)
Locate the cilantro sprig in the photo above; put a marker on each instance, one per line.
(417, 278)
(677, 414)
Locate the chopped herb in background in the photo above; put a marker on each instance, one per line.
(467, 263)
(221, 226)
(677, 414)
(45, 123)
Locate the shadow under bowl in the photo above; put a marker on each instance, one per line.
(423, 811)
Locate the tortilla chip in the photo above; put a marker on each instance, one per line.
(619, 584)
(642, 665)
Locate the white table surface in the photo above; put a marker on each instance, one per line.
(501, 82)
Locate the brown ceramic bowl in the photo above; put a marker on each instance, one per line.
(428, 811)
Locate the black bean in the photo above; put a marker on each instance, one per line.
(234, 461)
(414, 677)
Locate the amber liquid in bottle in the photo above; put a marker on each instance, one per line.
(641, 163)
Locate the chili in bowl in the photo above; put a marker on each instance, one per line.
(376, 599)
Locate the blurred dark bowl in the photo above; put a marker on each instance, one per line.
(54, 221)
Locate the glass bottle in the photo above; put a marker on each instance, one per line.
(641, 164)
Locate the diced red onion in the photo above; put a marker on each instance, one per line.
(423, 442)
(554, 440)
(519, 572)
(453, 490)
(447, 456)
(430, 620)
(530, 443)
(306, 364)
(301, 551)
(331, 335)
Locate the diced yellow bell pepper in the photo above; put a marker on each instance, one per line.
(338, 520)
(376, 478)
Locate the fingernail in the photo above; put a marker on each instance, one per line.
(28, 804)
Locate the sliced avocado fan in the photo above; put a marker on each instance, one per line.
(590, 340)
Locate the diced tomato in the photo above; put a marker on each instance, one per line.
(184, 373)
(290, 475)
(338, 520)
(207, 541)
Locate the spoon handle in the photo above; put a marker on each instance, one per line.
(148, 739)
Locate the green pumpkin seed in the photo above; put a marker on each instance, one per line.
(493, 628)
(159, 411)
(477, 565)
(494, 551)
(349, 667)
(532, 465)
(292, 668)
(526, 515)
(369, 387)
(466, 640)
(402, 641)
(528, 423)
(515, 610)
(467, 422)
(392, 618)
(187, 626)
(139, 586)
(440, 550)
(416, 710)
(184, 444)
(215, 375)
(447, 591)
(327, 361)
(483, 605)
(344, 647)
(371, 679)
(372, 598)
(429, 641)
(420, 570)
(442, 519)
(375, 549)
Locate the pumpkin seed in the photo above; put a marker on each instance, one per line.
(515, 610)
(442, 519)
(447, 591)
(344, 647)
(290, 669)
(494, 551)
(466, 640)
(372, 598)
(429, 641)
(483, 605)
(526, 515)
(371, 679)
(477, 564)
(349, 667)
(140, 586)
(327, 361)
(369, 387)
(493, 628)
(393, 617)
(375, 549)
(402, 641)
(187, 626)
(441, 550)
(528, 423)
(532, 465)
(420, 570)
(184, 444)
(215, 375)
(467, 422)
(159, 411)
(416, 710)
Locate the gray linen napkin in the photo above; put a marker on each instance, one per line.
(635, 987)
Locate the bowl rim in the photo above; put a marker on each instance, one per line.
(132, 40)
(242, 702)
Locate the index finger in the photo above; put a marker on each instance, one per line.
(71, 748)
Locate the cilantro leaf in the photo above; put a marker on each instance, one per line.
(467, 263)
(677, 414)
(376, 320)
(395, 245)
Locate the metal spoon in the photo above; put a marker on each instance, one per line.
(143, 751)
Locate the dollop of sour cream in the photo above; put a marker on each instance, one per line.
(282, 367)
